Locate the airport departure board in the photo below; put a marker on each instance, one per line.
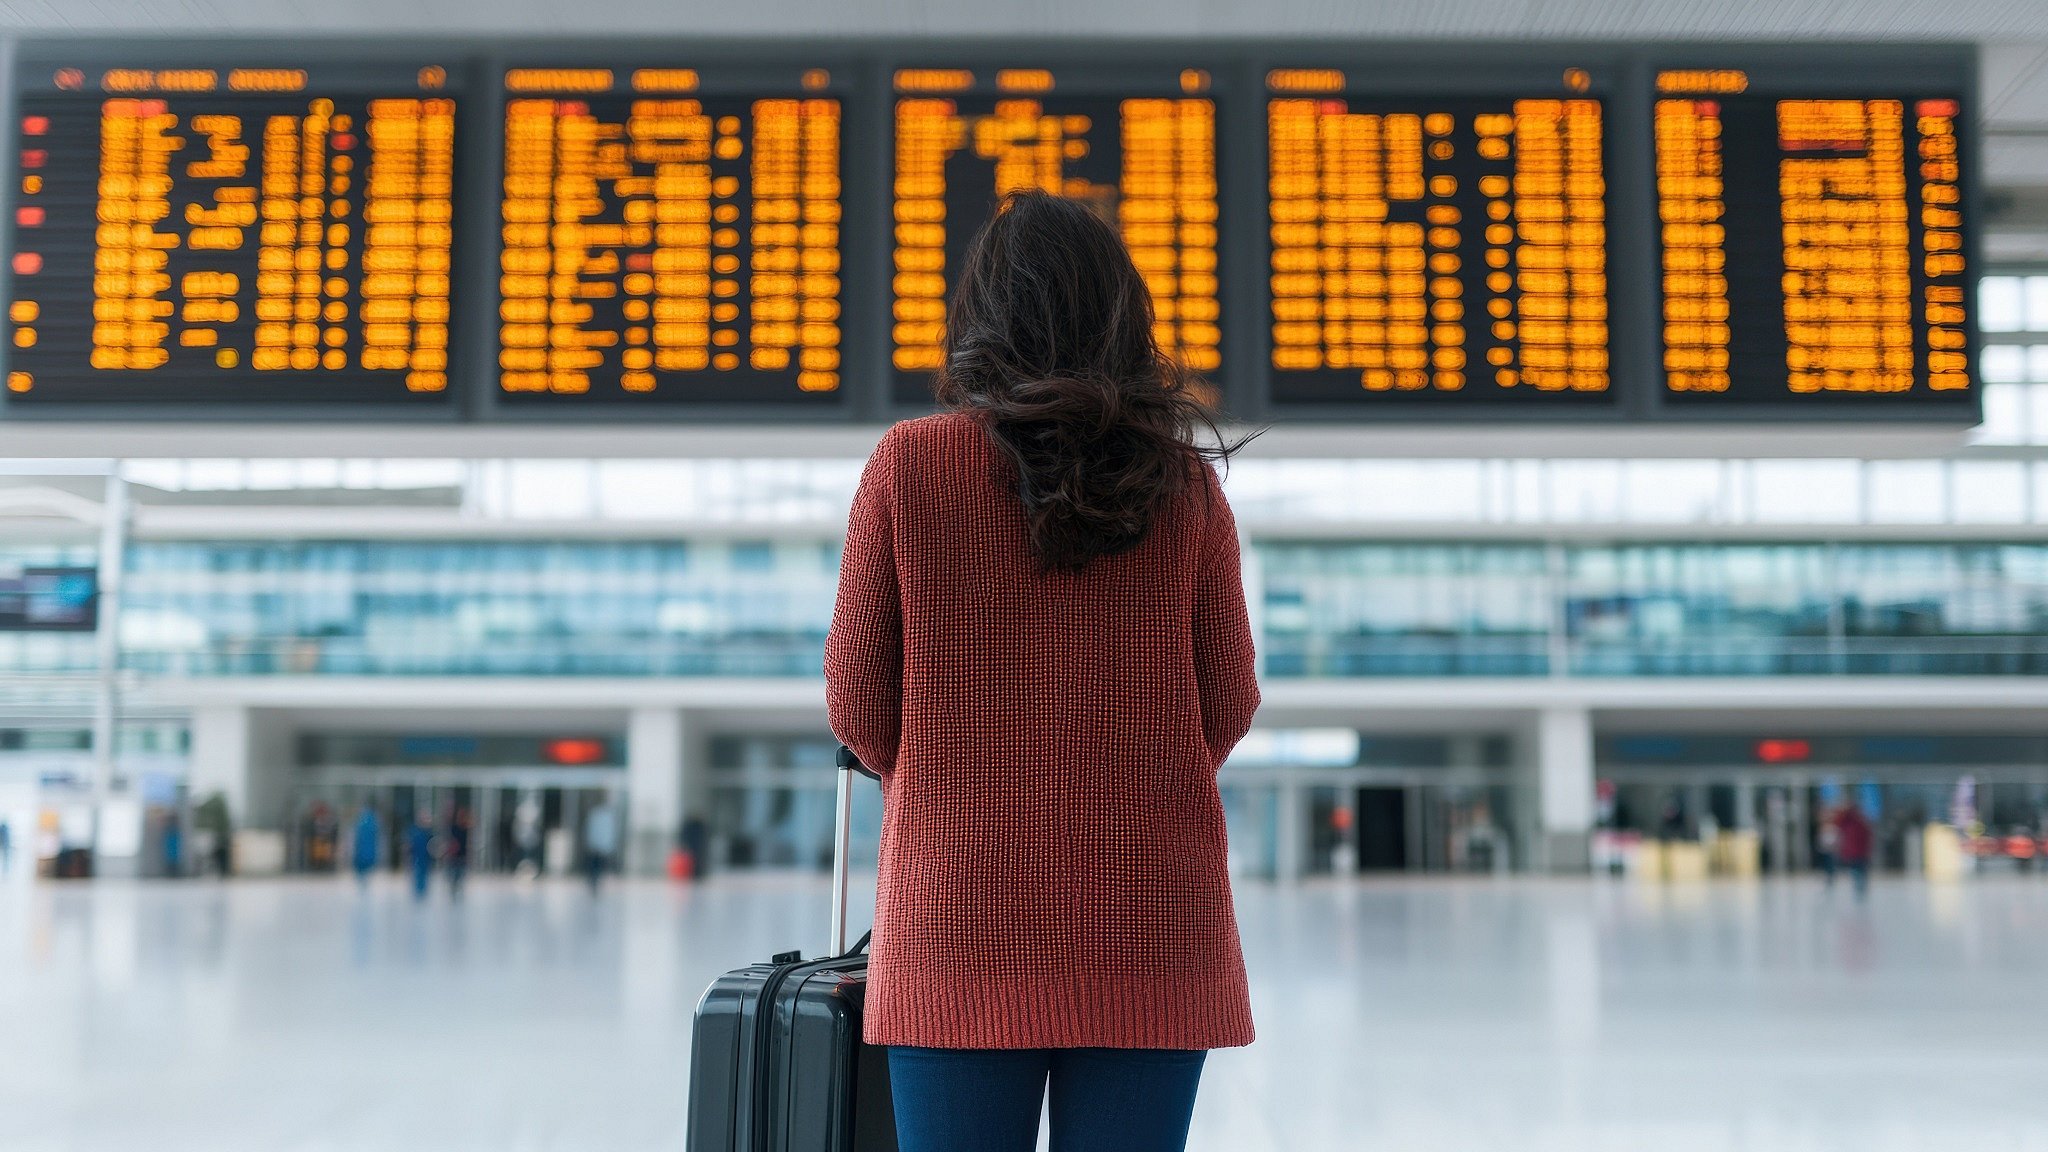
(261, 236)
(670, 235)
(1444, 250)
(1812, 245)
(1137, 143)
(710, 231)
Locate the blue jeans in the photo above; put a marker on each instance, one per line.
(1103, 1099)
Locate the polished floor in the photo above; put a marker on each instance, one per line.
(299, 1015)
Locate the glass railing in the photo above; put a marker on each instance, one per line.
(1817, 656)
(1406, 655)
(776, 655)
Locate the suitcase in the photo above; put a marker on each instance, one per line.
(776, 1061)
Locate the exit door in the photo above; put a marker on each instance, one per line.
(1382, 829)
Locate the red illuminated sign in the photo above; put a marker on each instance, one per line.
(574, 752)
(1784, 751)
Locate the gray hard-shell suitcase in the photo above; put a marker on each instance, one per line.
(777, 1063)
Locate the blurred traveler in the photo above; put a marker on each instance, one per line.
(212, 819)
(1853, 840)
(600, 842)
(368, 846)
(6, 849)
(696, 842)
(526, 836)
(174, 845)
(1041, 644)
(456, 858)
(419, 845)
(321, 833)
(1671, 826)
(1827, 846)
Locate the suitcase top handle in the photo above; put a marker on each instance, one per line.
(850, 760)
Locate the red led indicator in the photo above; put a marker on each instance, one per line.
(28, 263)
(35, 125)
(29, 217)
(1784, 751)
(582, 751)
(34, 157)
(1935, 108)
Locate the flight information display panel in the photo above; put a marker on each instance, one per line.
(1812, 246)
(670, 236)
(256, 236)
(1436, 251)
(1137, 142)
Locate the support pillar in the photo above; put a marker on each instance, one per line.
(245, 755)
(1565, 788)
(1290, 855)
(654, 787)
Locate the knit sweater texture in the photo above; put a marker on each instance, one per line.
(1053, 850)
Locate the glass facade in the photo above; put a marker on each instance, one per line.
(1324, 608)
(1349, 609)
(484, 608)
(1404, 610)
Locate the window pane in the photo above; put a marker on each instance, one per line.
(1805, 491)
(2005, 414)
(1585, 490)
(2037, 303)
(2037, 413)
(1999, 307)
(1674, 491)
(2003, 364)
(1990, 492)
(1906, 491)
(2037, 363)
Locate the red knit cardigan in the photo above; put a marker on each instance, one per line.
(1052, 859)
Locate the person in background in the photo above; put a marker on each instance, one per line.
(212, 818)
(174, 845)
(419, 844)
(600, 842)
(1853, 840)
(526, 836)
(456, 859)
(696, 840)
(1671, 826)
(1827, 845)
(368, 847)
(6, 849)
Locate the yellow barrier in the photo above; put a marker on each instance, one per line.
(1644, 860)
(1737, 852)
(1941, 852)
(1685, 861)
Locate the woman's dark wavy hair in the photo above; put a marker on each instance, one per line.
(1049, 343)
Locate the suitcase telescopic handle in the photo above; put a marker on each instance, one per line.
(842, 837)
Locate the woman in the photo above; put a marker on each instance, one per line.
(1040, 643)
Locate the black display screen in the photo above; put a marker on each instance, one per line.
(1812, 247)
(1436, 251)
(1138, 144)
(670, 236)
(253, 236)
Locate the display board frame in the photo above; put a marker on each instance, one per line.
(862, 71)
(1237, 391)
(39, 58)
(863, 316)
(1821, 71)
(1487, 69)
